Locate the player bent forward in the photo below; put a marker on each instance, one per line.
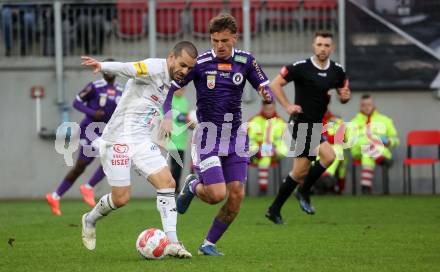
(127, 140)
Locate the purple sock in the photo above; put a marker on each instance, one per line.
(216, 231)
(97, 177)
(194, 185)
(63, 187)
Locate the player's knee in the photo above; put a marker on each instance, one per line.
(327, 161)
(300, 175)
(170, 183)
(327, 155)
(216, 197)
(236, 196)
(121, 199)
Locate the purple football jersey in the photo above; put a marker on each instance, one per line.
(219, 85)
(97, 95)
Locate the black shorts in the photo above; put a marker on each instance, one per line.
(306, 137)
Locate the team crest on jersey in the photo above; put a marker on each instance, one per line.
(210, 81)
(102, 99)
(237, 78)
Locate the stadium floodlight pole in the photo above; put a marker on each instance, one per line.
(152, 27)
(246, 26)
(59, 62)
(341, 26)
(248, 95)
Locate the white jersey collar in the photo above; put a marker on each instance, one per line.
(319, 67)
(214, 55)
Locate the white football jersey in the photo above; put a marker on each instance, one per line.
(136, 117)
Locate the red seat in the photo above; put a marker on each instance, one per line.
(320, 11)
(169, 18)
(130, 17)
(419, 161)
(320, 4)
(281, 12)
(236, 10)
(420, 138)
(201, 14)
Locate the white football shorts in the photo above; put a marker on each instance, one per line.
(118, 158)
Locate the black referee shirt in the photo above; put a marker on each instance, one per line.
(312, 85)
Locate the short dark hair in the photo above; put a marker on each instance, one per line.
(365, 96)
(221, 22)
(324, 34)
(189, 48)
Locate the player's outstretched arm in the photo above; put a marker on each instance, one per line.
(125, 69)
(92, 63)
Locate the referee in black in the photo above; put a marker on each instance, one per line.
(314, 78)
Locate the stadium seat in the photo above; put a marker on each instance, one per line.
(131, 18)
(385, 177)
(420, 138)
(169, 18)
(320, 12)
(201, 13)
(236, 10)
(320, 4)
(280, 13)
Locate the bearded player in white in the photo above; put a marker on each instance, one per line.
(128, 139)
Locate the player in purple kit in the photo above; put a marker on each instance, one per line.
(97, 101)
(219, 77)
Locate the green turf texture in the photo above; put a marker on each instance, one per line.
(347, 234)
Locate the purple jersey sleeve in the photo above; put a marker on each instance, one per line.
(256, 75)
(166, 108)
(83, 96)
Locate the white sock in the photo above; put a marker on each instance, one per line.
(55, 196)
(207, 243)
(166, 205)
(103, 207)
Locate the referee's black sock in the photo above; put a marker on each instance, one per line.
(284, 193)
(314, 173)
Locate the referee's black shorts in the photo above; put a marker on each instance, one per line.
(306, 137)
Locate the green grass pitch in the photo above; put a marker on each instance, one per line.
(347, 234)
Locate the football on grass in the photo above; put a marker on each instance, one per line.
(151, 243)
